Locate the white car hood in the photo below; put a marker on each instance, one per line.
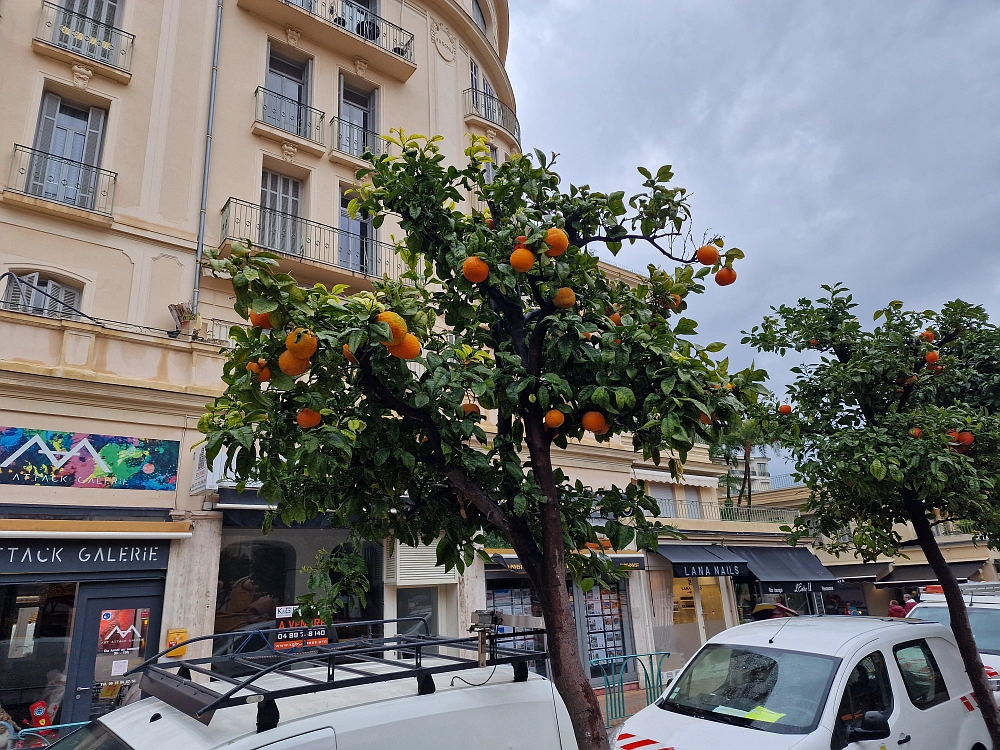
(672, 731)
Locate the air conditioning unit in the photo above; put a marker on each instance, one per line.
(415, 566)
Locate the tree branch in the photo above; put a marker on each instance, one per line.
(651, 239)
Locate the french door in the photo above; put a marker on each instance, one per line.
(281, 210)
(68, 139)
(88, 27)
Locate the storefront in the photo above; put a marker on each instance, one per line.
(691, 597)
(791, 576)
(76, 614)
(854, 590)
(602, 616)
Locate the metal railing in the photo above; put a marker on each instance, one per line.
(292, 235)
(352, 139)
(85, 36)
(289, 115)
(695, 509)
(953, 528)
(61, 180)
(783, 481)
(492, 109)
(646, 670)
(361, 22)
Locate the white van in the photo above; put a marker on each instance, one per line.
(412, 692)
(982, 600)
(817, 683)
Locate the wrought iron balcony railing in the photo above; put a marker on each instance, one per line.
(289, 115)
(352, 139)
(61, 180)
(492, 109)
(85, 36)
(361, 22)
(696, 509)
(300, 238)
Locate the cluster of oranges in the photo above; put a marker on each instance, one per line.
(522, 259)
(708, 255)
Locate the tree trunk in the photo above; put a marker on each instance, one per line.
(959, 617)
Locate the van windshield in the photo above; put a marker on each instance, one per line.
(93, 736)
(759, 688)
(985, 624)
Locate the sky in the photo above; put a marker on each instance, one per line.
(846, 140)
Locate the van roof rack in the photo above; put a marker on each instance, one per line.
(359, 661)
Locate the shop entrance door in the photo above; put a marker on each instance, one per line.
(116, 627)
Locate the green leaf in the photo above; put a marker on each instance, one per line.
(261, 305)
(877, 470)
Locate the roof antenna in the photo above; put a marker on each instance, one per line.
(771, 639)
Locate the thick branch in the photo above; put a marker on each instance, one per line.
(651, 239)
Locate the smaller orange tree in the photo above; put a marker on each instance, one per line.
(508, 311)
(895, 425)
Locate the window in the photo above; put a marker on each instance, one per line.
(280, 207)
(37, 294)
(921, 676)
(478, 17)
(68, 139)
(762, 469)
(88, 28)
(358, 125)
(356, 247)
(985, 624)
(868, 689)
(287, 96)
(490, 169)
(763, 688)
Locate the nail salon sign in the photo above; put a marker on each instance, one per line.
(44, 458)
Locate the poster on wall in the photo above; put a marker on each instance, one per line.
(45, 458)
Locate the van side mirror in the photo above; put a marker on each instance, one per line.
(874, 726)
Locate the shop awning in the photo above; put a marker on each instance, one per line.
(918, 575)
(786, 570)
(869, 572)
(508, 559)
(30, 528)
(692, 480)
(694, 560)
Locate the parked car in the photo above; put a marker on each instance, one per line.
(499, 713)
(982, 601)
(817, 683)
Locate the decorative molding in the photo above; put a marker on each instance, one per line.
(81, 76)
(361, 66)
(167, 256)
(288, 151)
(444, 41)
(491, 136)
(292, 34)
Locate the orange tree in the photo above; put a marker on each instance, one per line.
(373, 408)
(896, 425)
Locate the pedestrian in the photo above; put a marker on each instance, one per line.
(908, 603)
(895, 610)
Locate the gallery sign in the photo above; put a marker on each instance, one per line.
(44, 458)
(81, 556)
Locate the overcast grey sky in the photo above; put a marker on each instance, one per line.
(854, 141)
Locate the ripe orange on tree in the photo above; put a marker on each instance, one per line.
(264, 375)
(916, 432)
(301, 342)
(595, 422)
(557, 240)
(349, 355)
(966, 438)
(931, 357)
(708, 255)
(564, 298)
(785, 409)
(704, 418)
(725, 276)
(927, 335)
(409, 349)
(953, 434)
(291, 365)
(554, 419)
(475, 269)
(813, 342)
(253, 367)
(261, 320)
(616, 318)
(397, 327)
(471, 409)
(308, 418)
(519, 241)
(522, 259)
(489, 223)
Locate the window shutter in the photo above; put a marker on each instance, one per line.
(374, 123)
(60, 301)
(17, 297)
(95, 137)
(340, 97)
(47, 122)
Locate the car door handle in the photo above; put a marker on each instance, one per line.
(903, 740)
(83, 690)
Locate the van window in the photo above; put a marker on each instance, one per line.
(867, 689)
(921, 676)
(985, 624)
(752, 686)
(94, 736)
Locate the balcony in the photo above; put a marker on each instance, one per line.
(52, 184)
(489, 110)
(344, 27)
(697, 510)
(351, 142)
(298, 238)
(287, 121)
(78, 39)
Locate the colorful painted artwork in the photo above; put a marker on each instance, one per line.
(43, 458)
